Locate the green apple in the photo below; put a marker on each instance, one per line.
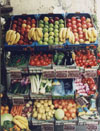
(51, 38)
(56, 31)
(45, 39)
(50, 42)
(60, 43)
(50, 29)
(51, 34)
(56, 26)
(46, 35)
(46, 26)
(56, 34)
(61, 25)
(41, 39)
(46, 23)
(56, 22)
(56, 43)
(41, 22)
(45, 30)
(40, 42)
(50, 25)
(45, 43)
(61, 21)
(56, 39)
(41, 25)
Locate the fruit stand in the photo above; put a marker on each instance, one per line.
(52, 73)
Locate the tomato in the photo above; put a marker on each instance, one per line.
(35, 59)
(44, 55)
(32, 63)
(73, 18)
(98, 54)
(38, 63)
(49, 55)
(98, 72)
(83, 18)
(98, 60)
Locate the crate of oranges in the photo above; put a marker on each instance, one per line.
(4, 109)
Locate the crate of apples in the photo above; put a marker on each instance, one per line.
(85, 58)
(22, 24)
(81, 26)
(68, 106)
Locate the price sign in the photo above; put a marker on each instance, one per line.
(16, 75)
(73, 73)
(69, 127)
(92, 126)
(56, 46)
(18, 100)
(49, 74)
(61, 74)
(91, 73)
(47, 127)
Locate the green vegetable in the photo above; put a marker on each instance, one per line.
(6, 117)
(59, 114)
(8, 124)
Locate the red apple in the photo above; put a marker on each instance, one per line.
(76, 35)
(74, 26)
(68, 20)
(74, 22)
(21, 37)
(14, 25)
(89, 25)
(79, 25)
(33, 21)
(15, 22)
(24, 21)
(74, 30)
(28, 23)
(28, 26)
(81, 36)
(19, 19)
(14, 28)
(24, 25)
(84, 22)
(78, 20)
(88, 20)
(83, 18)
(29, 18)
(84, 26)
(69, 25)
(80, 32)
(51, 20)
(56, 18)
(22, 32)
(76, 39)
(33, 25)
(21, 42)
(73, 18)
(19, 23)
(18, 30)
(26, 40)
(23, 29)
(79, 29)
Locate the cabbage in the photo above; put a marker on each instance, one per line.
(59, 114)
(6, 117)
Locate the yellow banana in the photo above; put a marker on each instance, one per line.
(68, 33)
(64, 33)
(73, 38)
(29, 33)
(34, 36)
(19, 124)
(14, 38)
(73, 55)
(32, 32)
(70, 37)
(9, 43)
(60, 34)
(39, 31)
(24, 123)
(17, 38)
(8, 34)
(86, 34)
(20, 117)
(94, 32)
(90, 32)
(87, 42)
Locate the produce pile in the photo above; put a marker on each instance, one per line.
(40, 59)
(85, 86)
(80, 30)
(67, 109)
(85, 58)
(43, 110)
(4, 109)
(51, 27)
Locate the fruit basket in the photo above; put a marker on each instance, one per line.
(21, 24)
(80, 27)
(51, 24)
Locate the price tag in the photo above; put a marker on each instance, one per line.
(61, 74)
(56, 47)
(69, 127)
(91, 73)
(92, 126)
(49, 74)
(47, 127)
(73, 73)
(18, 100)
(16, 75)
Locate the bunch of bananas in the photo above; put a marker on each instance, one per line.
(35, 34)
(66, 33)
(21, 122)
(90, 35)
(12, 37)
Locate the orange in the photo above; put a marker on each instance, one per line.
(6, 108)
(2, 107)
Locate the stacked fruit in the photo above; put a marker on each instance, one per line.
(81, 30)
(22, 26)
(85, 58)
(4, 109)
(43, 109)
(21, 122)
(68, 106)
(40, 59)
(51, 27)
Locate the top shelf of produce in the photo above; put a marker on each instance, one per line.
(51, 30)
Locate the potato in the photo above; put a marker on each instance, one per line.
(43, 117)
(39, 116)
(41, 101)
(48, 117)
(45, 104)
(52, 106)
(47, 109)
(38, 105)
(35, 114)
(50, 102)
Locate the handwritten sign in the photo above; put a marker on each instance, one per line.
(47, 127)
(69, 127)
